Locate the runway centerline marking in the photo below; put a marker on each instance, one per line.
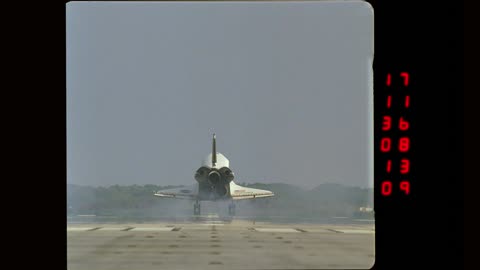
(356, 231)
(112, 229)
(280, 230)
(147, 229)
(78, 229)
(335, 231)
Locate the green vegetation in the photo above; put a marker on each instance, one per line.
(326, 200)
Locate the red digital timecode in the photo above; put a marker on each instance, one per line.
(390, 145)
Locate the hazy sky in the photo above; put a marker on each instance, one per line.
(287, 88)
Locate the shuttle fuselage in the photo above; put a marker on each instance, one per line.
(214, 176)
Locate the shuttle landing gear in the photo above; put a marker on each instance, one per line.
(231, 209)
(196, 208)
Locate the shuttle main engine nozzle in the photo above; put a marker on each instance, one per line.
(214, 178)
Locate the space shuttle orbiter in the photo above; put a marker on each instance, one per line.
(214, 182)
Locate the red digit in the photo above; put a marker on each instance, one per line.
(404, 166)
(386, 188)
(385, 144)
(389, 165)
(387, 122)
(403, 124)
(389, 79)
(405, 78)
(407, 101)
(404, 144)
(405, 186)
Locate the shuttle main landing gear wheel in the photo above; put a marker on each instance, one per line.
(196, 208)
(231, 209)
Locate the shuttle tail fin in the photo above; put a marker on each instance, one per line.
(214, 151)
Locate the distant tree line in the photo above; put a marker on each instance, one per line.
(326, 200)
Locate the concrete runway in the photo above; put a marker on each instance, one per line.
(219, 245)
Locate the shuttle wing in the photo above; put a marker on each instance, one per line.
(186, 193)
(242, 193)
